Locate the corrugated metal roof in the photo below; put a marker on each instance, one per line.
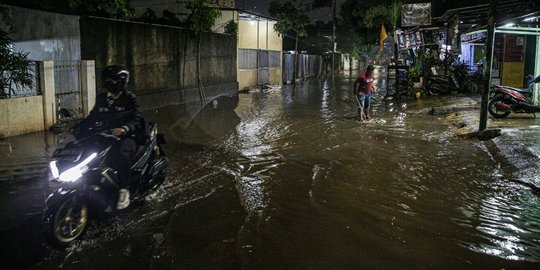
(475, 18)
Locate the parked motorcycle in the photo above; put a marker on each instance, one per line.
(88, 184)
(463, 80)
(459, 80)
(506, 100)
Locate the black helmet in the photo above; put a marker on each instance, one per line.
(114, 78)
(370, 68)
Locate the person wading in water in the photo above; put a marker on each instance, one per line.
(363, 85)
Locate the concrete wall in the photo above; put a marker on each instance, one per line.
(263, 35)
(226, 17)
(162, 60)
(275, 41)
(268, 39)
(259, 35)
(30, 114)
(346, 63)
(276, 76)
(45, 35)
(247, 34)
(21, 115)
(247, 78)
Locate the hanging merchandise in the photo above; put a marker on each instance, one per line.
(416, 14)
(409, 38)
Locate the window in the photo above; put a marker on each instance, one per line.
(247, 59)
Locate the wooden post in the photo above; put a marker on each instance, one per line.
(333, 37)
(88, 86)
(490, 43)
(46, 77)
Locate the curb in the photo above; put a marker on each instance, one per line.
(519, 163)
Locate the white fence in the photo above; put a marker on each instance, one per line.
(39, 112)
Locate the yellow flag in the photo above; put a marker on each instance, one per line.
(384, 36)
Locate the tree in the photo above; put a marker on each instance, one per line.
(119, 9)
(376, 16)
(201, 19)
(394, 13)
(231, 28)
(352, 13)
(350, 43)
(321, 3)
(15, 68)
(388, 14)
(110, 8)
(168, 18)
(367, 18)
(291, 19)
(315, 41)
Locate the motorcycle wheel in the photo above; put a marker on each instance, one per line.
(67, 222)
(494, 111)
(471, 87)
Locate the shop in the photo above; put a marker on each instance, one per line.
(516, 46)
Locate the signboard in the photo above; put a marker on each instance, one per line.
(409, 39)
(474, 38)
(416, 14)
(514, 50)
(454, 39)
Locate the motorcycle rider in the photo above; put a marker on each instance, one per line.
(117, 109)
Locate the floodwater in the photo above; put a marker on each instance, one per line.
(289, 179)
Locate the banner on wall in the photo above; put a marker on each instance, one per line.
(474, 38)
(416, 14)
(514, 50)
(409, 39)
(454, 38)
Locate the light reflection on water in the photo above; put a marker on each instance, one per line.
(322, 191)
(402, 173)
(508, 221)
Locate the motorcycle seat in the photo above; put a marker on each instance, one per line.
(141, 147)
(522, 90)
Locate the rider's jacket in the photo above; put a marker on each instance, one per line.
(116, 111)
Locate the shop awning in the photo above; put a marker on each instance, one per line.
(512, 15)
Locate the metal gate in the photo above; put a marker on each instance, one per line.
(67, 82)
(263, 68)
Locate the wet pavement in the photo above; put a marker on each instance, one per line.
(289, 179)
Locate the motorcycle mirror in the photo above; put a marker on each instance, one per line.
(537, 80)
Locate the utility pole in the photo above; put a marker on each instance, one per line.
(490, 40)
(333, 36)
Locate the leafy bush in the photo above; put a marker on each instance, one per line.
(231, 28)
(415, 72)
(168, 18)
(202, 17)
(15, 68)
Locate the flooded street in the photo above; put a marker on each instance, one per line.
(289, 179)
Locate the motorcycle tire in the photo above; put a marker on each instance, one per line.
(436, 88)
(496, 113)
(471, 87)
(66, 222)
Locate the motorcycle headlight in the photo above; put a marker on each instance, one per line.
(54, 169)
(73, 174)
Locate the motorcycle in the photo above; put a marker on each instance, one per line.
(88, 184)
(506, 100)
(459, 80)
(463, 79)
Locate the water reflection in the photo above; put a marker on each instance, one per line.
(320, 191)
(508, 222)
(401, 184)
